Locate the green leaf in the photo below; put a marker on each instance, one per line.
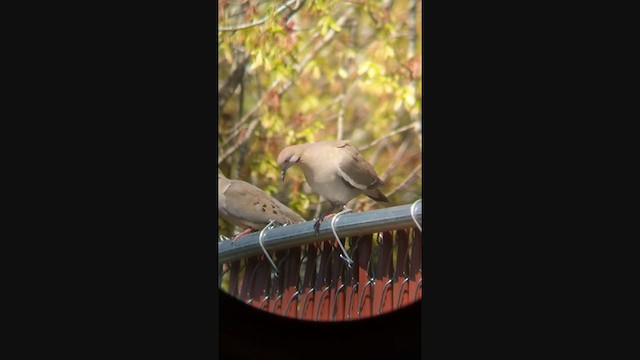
(334, 26)
(271, 189)
(258, 60)
(267, 64)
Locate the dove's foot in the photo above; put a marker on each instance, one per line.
(241, 235)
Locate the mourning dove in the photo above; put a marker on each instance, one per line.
(335, 170)
(245, 205)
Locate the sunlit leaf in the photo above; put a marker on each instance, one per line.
(258, 60)
(333, 25)
(409, 99)
(364, 67)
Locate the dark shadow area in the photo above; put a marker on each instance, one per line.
(248, 333)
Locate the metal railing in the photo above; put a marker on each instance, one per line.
(313, 279)
(352, 224)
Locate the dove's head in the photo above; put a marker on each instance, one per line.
(288, 157)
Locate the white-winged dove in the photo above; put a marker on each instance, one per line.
(245, 205)
(335, 170)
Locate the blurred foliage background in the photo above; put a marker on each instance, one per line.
(300, 71)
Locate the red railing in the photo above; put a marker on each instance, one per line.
(314, 283)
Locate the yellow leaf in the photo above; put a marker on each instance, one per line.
(397, 104)
(266, 121)
(257, 62)
(343, 73)
(409, 99)
(364, 67)
(226, 51)
(388, 52)
(323, 29)
(372, 71)
(267, 64)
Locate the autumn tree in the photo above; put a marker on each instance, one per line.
(300, 71)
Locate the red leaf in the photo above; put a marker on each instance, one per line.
(250, 12)
(242, 134)
(297, 119)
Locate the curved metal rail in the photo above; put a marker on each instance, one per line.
(352, 224)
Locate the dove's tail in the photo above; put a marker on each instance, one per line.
(376, 195)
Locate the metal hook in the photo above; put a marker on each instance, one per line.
(413, 215)
(353, 289)
(260, 241)
(286, 310)
(280, 261)
(418, 286)
(266, 298)
(275, 303)
(370, 270)
(346, 257)
(304, 303)
(382, 298)
(335, 302)
(320, 300)
(370, 282)
(406, 280)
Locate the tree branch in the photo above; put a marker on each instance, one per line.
(394, 132)
(412, 177)
(411, 22)
(235, 146)
(231, 83)
(396, 158)
(281, 8)
(364, 203)
(346, 88)
(341, 115)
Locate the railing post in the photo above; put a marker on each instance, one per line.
(261, 285)
(337, 296)
(351, 295)
(365, 288)
(291, 274)
(322, 283)
(277, 284)
(306, 294)
(249, 272)
(400, 287)
(383, 292)
(416, 265)
(234, 274)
